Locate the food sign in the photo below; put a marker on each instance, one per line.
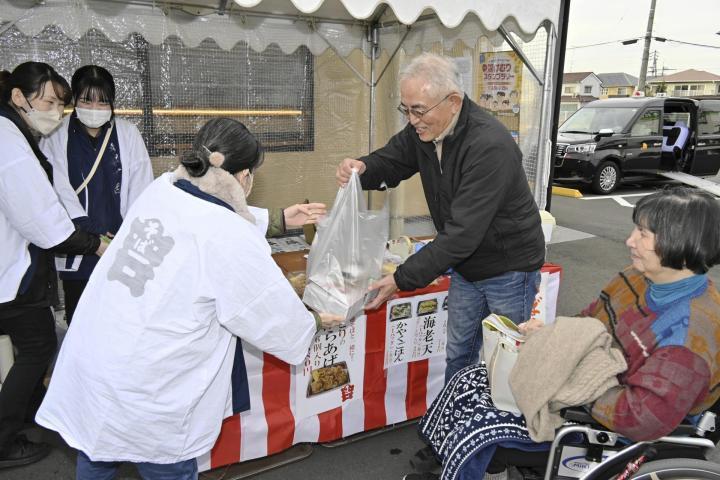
(333, 370)
(416, 328)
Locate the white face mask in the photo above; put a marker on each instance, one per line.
(43, 122)
(92, 118)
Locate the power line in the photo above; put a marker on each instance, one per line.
(663, 39)
(596, 44)
(630, 41)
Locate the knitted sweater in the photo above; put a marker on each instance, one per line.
(569, 362)
(672, 354)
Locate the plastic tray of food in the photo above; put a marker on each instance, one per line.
(326, 379)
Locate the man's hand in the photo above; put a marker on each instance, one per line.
(344, 170)
(329, 320)
(304, 213)
(386, 286)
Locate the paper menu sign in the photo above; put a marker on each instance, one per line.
(333, 371)
(416, 328)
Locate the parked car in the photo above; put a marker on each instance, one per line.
(609, 140)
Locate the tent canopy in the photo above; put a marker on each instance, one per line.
(259, 23)
(527, 16)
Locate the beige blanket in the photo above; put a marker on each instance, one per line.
(567, 363)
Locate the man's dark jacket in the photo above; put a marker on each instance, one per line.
(486, 219)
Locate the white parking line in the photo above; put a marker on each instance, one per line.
(623, 202)
(602, 197)
(618, 198)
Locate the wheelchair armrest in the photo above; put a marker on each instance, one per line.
(578, 415)
(683, 430)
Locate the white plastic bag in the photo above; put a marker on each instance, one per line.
(347, 254)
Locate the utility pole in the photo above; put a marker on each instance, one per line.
(646, 48)
(653, 69)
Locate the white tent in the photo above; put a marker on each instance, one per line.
(322, 73)
(379, 29)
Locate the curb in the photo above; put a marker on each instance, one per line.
(566, 192)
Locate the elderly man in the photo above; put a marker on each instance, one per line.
(488, 225)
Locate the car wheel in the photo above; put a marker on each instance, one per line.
(606, 178)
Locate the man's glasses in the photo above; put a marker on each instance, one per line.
(416, 112)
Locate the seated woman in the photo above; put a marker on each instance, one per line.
(145, 372)
(663, 313)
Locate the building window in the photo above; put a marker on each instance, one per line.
(622, 91)
(695, 87)
(604, 91)
(588, 89)
(569, 90)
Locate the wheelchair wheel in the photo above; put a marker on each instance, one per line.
(678, 469)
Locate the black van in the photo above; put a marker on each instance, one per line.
(608, 140)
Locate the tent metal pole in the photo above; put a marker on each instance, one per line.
(562, 29)
(397, 49)
(545, 142)
(516, 48)
(374, 39)
(344, 60)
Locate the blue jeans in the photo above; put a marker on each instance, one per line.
(510, 294)
(89, 470)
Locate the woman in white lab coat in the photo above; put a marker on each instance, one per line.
(33, 227)
(101, 166)
(144, 374)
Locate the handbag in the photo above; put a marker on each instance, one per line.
(501, 345)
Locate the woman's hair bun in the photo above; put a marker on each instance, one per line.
(196, 163)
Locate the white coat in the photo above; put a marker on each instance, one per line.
(144, 371)
(30, 211)
(136, 167)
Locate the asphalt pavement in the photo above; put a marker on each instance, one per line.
(590, 247)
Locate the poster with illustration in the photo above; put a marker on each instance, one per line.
(333, 370)
(499, 87)
(416, 328)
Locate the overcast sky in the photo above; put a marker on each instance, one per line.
(596, 21)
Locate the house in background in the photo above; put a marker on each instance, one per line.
(688, 83)
(615, 85)
(578, 89)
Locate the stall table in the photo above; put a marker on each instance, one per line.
(388, 396)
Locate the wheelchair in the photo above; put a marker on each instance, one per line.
(583, 449)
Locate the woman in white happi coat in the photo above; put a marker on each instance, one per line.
(144, 374)
(33, 227)
(101, 166)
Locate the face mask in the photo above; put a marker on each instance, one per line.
(92, 118)
(43, 122)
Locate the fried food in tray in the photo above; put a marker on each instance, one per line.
(427, 307)
(328, 378)
(401, 311)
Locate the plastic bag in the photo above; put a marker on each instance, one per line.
(347, 254)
